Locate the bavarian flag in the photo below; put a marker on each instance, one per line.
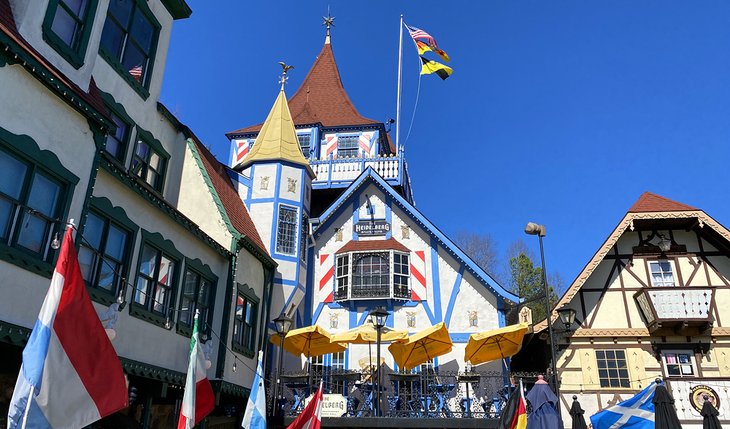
(430, 66)
(514, 415)
(424, 47)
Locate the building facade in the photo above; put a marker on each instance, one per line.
(161, 232)
(652, 302)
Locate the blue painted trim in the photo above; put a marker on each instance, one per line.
(352, 319)
(274, 200)
(429, 313)
(388, 217)
(454, 292)
(370, 176)
(317, 312)
(287, 258)
(299, 319)
(501, 309)
(436, 280)
(250, 188)
(459, 337)
(309, 292)
(363, 316)
(355, 214)
(288, 282)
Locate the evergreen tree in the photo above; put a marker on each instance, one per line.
(526, 282)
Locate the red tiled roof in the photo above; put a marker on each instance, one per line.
(649, 202)
(365, 245)
(321, 99)
(7, 26)
(232, 203)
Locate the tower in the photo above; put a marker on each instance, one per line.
(275, 185)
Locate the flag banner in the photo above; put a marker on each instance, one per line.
(418, 34)
(423, 47)
(71, 375)
(311, 416)
(430, 66)
(634, 413)
(198, 399)
(514, 414)
(255, 415)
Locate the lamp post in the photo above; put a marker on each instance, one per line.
(378, 318)
(534, 229)
(283, 324)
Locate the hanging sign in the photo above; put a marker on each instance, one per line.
(371, 227)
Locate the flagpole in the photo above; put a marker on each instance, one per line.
(27, 406)
(400, 75)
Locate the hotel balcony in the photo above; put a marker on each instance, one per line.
(340, 172)
(676, 309)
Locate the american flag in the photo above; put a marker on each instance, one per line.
(136, 72)
(417, 33)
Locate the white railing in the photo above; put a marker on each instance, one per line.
(663, 304)
(340, 170)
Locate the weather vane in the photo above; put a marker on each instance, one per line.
(328, 21)
(284, 77)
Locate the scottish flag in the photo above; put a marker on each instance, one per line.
(255, 415)
(634, 413)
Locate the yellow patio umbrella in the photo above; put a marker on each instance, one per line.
(367, 334)
(422, 346)
(309, 341)
(495, 344)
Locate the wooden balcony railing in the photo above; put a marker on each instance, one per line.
(342, 171)
(677, 308)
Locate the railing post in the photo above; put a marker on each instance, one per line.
(329, 170)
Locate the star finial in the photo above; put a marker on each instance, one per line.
(283, 78)
(329, 22)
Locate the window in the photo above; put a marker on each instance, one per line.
(30, 202)
(338, 366)
(116, 144)
(129, 38)
(155, 280)
(303, 240)
(372, 275)
(347, 146)
(67, 27)
(679, 363)
(148, 163)
(612, 368)
(661, 273)
(305, 143)
(102, 253)
(286, 231)
(196, 295)
(244, 324)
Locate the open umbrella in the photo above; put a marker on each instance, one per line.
(709, 415)
(368, 334)
(665, 416)
(543, 402)
(422, 346)
(576, 414)
(309, 341)
(495, 344)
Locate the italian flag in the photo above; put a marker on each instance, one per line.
(198, 400)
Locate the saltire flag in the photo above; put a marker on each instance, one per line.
(634, 413)
(424, 47)
(255, 415)
(311, 417)
(71, 375)
(198, 399)
(417, 34)
(429, 66)
(514, 415)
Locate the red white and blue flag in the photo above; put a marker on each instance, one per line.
(71, 376)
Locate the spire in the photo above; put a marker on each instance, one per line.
(277, 140)
(329, 22)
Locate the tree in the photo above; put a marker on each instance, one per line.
(480, 248)
(525, 280)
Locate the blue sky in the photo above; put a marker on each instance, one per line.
(558, 112)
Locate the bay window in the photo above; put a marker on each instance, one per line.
(372, 275)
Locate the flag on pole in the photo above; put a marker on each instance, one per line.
(70, 376)
(429, 66)
(514, 415)
(311, 417)
(636, 412)
(424, 47)
(255, 415)
(417, 33)
(198, 399)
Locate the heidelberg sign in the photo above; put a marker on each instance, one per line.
(371, 227)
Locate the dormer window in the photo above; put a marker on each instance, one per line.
(661, 273)
(347, 146)
(305, 143)
(372, 274)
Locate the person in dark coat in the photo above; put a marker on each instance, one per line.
(544, 405)
(576, 414)
(709, 415)
(665, 416)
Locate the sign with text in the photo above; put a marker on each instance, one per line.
(333, 404)
(371, 227)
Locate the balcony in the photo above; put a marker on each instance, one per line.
(676, 308)
(340, 172)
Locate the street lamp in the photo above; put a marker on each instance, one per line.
(283, 324)
(534, 229)
(567, 316)
(378, 318)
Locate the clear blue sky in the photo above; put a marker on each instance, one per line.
(559, 112)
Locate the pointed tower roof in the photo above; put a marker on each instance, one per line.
(321, 99)
(277, 140)
(649, 202)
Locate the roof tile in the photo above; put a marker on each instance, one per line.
(649, 202)
(365, 245)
